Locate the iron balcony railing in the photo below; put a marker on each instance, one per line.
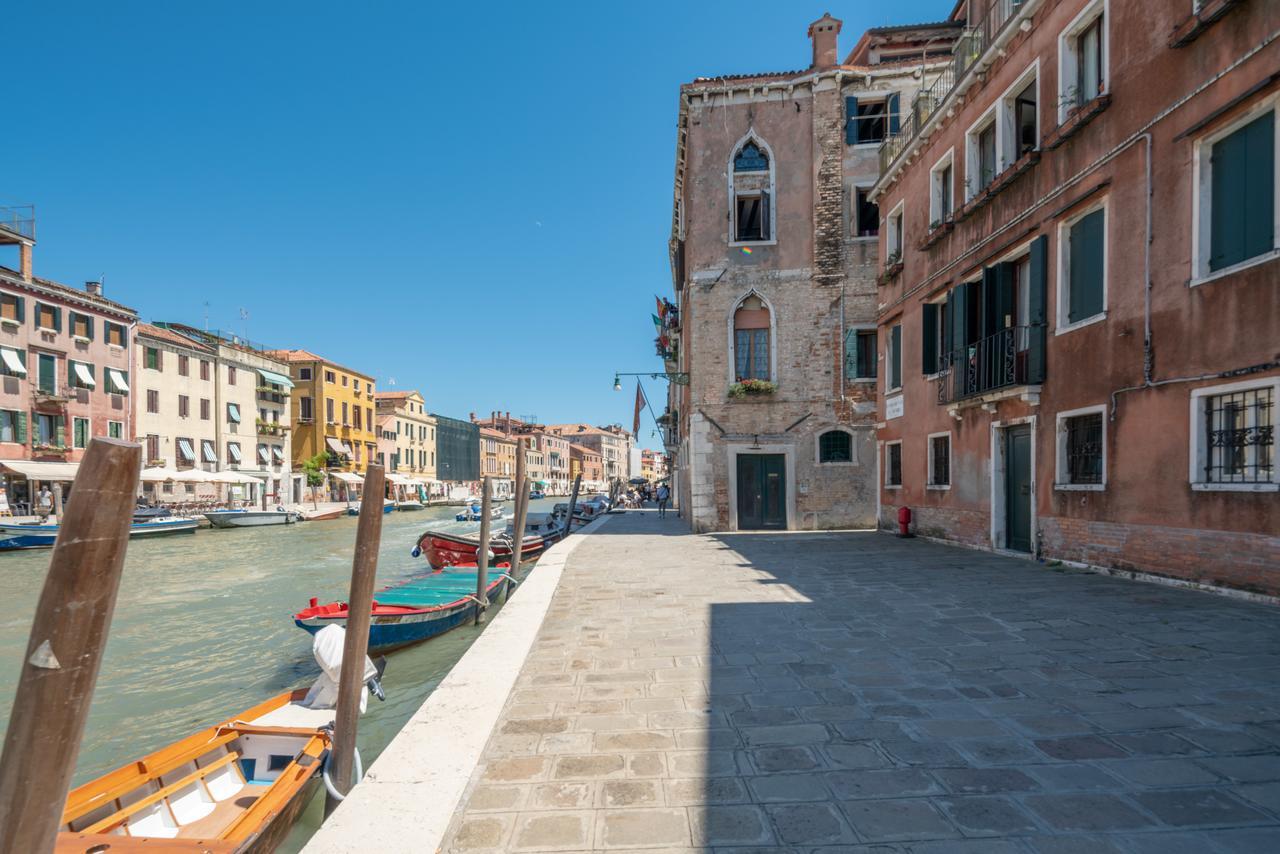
(19, 220)
(1014, 356)
(989, 19)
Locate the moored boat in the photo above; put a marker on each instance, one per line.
(413, 611)
(250, 518)
(475, 513)
(33, 535)
(447, 549)
(411, 504)
(231, 788)
(321, 515)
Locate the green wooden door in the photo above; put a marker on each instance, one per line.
(1017, 488)
(762, 492)
(48, 378)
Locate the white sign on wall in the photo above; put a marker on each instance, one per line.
(892, 407)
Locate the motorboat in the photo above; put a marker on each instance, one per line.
(34, 535)
(251, 518)
(410, 504)
(475, 513)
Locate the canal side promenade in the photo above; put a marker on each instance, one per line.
(856, 692)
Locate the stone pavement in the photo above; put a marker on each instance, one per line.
(854, 692)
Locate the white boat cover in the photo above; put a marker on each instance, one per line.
(275, 379)
(327, 648)
(346, 477)
(84, 376)
(42, 471)
(12, 362)
(117, 381)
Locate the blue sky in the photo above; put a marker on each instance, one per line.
(472, 199)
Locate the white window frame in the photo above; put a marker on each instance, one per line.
(733, 343)
(121, 423)
(1060, 453)
(901, 468)
(1007, 147)
(863, 327)
(1063, 301)
(1069, 63)
(928, 473)
(1199, 450)
(1202, 196)
(895, 231)
(939, 330)
(935, 186)
(771, 189)
(972, 158)
(817, 445)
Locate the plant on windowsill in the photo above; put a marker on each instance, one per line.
(892, 267)
(44, 448)
(1078, 115)
(752, 388)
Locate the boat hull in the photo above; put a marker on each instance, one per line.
(410, 505)
(44, 536)
(443, 549)
(248, 519)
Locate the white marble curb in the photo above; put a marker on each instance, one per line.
(407, 799)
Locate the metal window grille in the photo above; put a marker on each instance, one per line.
(835, 446)
(895, 465)
(1240, 436)
(1084, 448)
(940, 473)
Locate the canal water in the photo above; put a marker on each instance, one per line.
(203, 630)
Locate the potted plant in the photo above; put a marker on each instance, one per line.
(752, 388)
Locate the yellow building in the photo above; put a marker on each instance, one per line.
(333, 411)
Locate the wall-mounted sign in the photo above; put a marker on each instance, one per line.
(892, 407)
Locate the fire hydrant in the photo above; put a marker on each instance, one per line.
(904, 521)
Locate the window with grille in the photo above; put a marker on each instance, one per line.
(940, 460)
(835, 446)
(1239, 436)
(1084, 448)
(893, 464)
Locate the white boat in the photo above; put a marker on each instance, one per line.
(251, 518)
(411, 504)
(33, 535)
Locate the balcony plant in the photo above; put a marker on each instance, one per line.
(752, 388)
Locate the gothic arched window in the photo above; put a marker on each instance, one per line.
(751, 340)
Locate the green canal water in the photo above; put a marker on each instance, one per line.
(203, 630)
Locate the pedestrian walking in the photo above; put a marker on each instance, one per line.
(663, 495)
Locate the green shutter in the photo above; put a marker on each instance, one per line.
(892, 104)
(22, 310)
(61, 440)
(948, 328)
(1086, 259)
(929, 338)
(21, 428)
(959, 316)
(88, 325)
(850, 121)
(1242, 214)
(851, 354)
(1037, 296)
(1006, 301)
(57, 319)
(895, 351)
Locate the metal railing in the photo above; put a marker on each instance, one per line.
(1002, 360)
(19, 219)
(969, 46)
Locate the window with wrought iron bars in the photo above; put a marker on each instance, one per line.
(1084, 448)
(1240, 436)
(893, 455)
(940, 461)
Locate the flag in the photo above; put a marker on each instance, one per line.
(640, 403)
(657, 321)
(662, 306)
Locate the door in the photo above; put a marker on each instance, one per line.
(1017, 488)
(762, 492)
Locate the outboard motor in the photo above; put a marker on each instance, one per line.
(327, 647)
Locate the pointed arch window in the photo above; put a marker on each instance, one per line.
(751, 193)
(751, 158)
(751, 356)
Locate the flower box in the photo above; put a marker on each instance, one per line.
(752, 388)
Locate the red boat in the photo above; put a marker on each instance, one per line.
(442, 549)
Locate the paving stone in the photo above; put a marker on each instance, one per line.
(985, 781)
(1072, 845)
(1252, 841)
(928, 753)
(630, 793)
(641, 828)
(1155, 743)
(731, 825)
(764, 717)
(702, 763)
(787, 734)
(1162, 772)
(566, 742)
(777, 788)
(1077, 747)
(552, 831)
(634, 741)
(710, 790)
(1063, 777)
(516, 769)
(587, 767)
(1086, 812)
(987, 816)
(599, 723)
(1264, 794)
(775, 759)
(1169, 843)
(498, 798)
(850, 785)
(998, 751)
(1191, 807)
(562, 796)
(961, 728)
(1245, 769)
(890, 820)
(809, 824)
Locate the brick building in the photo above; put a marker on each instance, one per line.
(1081, 314)
(774, 262)
(612, 443)
(589, 463)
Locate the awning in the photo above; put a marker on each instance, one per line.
(231, 477)
(233, 451)
(264, 455)
(275, 379)
(278, 453)
(209, 452)
(399, 479)
(336, 446)
(346, 477)
(42, 471)
(233, 413)
(117, 381)
(188, 452)
(193, 476)
(12, 362)
(82, 374)
(157, 474)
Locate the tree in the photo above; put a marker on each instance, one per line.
(314, 469)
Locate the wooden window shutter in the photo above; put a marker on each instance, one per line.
(948, 328)
(1085, 287)
(929, 338)
(990, 308)
(892, 106)
(21, 428)
(1006, 290)
(850, 121)
(766, 226)
(61, 421)
(851, 354)
(959, 317)
(57, 319)
(1037, 298)
(895, 350)
(22, 310)
(1242, 214)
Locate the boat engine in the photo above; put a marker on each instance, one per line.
(327, 647)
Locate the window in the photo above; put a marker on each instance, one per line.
(47, 373)
(115, 429)
(894, 237)
(1236, 203)
(152, 360)
(939, 461)
(357, 418)
(1022, 120)
(328, 410)
(50, 430)
(233, 413)
(893, 358)
(304, 373)
(204, 369)
(330, 377)
(1233, 436)
(893, 465)
(835, 446)
(48, 317)
(115, 333)
(11, 308)
(184, 365)
(752, 218)
(368, 387)
(751, 182)
(81, 374)
(1082, 59)
(1081, 449)
(233, 453)
(751, 357)
(344, 380)
(153, 401)
(368, 417)
(153, 449)
(305, 409)
(208, 453)
(184, 406)
(346, 417)
(1082, 290)
(81, 325)
(866, 120)
(264, 454)
(941, 190)
(231, 374)
(860, 354)
(980, 156)
(185, 453)
(204, 408)
(13, 426)
(866, 213)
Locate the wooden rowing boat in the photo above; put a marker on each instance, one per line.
(233, 788)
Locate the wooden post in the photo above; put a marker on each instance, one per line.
(364, 570)
(573, 502)
(65, 648)
(482, 553)
(57, 501)
(517, 548)
(522, 494)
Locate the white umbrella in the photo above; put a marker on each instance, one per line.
(232, 477)
(158, 474)
(193, 476)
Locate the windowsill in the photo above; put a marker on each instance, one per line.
(893, 486)
(938, 487)
(1264, 258)
(1080, 487)
(7, 323)
(893, 390)
(862, 380)
(1199, 486)
(81, 339)
(1080, 324)
(866, 146)
(864, 238)
(735, 244)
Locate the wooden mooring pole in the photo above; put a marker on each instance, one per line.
(573, 503)
(364, 571)
(64, 651)
(517, 548)
(482, 553)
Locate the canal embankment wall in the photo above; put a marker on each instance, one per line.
(408, 796)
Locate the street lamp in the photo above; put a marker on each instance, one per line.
(677, 377)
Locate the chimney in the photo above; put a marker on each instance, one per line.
(94, 288)
(824, 32)
(24, 261)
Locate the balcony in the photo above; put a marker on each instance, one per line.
(268, 394)
(47, 396)
(17, 224)
(270, 428)
(998, 366)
